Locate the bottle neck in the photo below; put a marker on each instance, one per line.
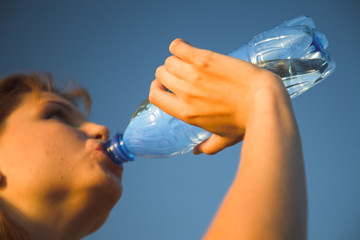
(116, 150)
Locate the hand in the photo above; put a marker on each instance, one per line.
(210, 90)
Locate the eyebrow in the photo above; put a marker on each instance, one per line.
(71, 109)
(62, 104)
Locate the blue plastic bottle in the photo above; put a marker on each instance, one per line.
(293, 50)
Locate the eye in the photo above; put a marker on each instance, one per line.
(58, 115)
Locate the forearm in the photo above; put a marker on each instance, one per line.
(228, 97)
(267, 199)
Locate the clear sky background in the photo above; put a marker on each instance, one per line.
(114, 47)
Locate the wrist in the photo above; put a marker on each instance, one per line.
(265, 92)
(271, 101)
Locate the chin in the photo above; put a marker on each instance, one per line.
(96, 203)
(113, 186)
(108, 189)
(101, 201)
(103, 175)
(96, 225)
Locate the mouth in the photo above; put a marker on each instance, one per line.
(100, 148)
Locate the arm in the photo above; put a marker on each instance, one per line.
(236, 100)
(267, 199)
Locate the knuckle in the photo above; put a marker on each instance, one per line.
(187, 116)
(195, 76)
(204, 59)
(174, 44)
(152, 87)
(159, 71)
(169, 62)
(152, 96)
(187, 97)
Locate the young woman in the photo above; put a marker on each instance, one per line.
(56, 182)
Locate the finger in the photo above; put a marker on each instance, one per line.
(179, 48)
(210, 61)
(179, 68)
(166, 101)
(187, 53)
(214, 144)
(168, 80)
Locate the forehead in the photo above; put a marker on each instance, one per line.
(38, 99)
(34, 104)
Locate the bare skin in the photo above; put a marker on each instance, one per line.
(57, 181)
(238, 101)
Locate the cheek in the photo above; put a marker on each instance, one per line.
(50, 160)
(72, 164)
(46, 154)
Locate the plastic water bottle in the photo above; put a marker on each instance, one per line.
(293, 50)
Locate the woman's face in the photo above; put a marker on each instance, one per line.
(50, 152)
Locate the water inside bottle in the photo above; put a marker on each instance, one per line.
(298, 75)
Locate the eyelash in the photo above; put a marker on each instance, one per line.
(56, 114)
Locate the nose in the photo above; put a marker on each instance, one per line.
(96, 131)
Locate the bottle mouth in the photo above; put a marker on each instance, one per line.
(116, 150)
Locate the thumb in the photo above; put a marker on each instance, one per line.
(215, 144)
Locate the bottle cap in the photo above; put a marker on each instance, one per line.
(117, 151)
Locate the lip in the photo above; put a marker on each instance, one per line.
(100, 147)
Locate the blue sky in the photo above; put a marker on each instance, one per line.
(114, 47)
